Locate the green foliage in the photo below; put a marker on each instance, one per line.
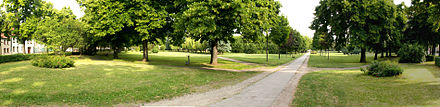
(60, 30)
(437, 61)
(411, 53)
(16, 57)
(279, 34)
(383, 69)
(430, 57)
(250, 48)
(155, 49)
(54, 61)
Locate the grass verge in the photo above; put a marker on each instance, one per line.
(104, 83)
(419, 85)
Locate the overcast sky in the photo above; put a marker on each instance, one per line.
(299, 12)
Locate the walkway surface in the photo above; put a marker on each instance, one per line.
(264, 92)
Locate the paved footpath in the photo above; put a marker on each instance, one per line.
(264, 92)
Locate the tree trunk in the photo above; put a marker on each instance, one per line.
(267, 49)
(24, 47)
(433, 50)
(214, 53)
(382, 54)
(363, 55)
(115, 53)
(279, 55)
(375, 54)
(145, 52)
(328, 54)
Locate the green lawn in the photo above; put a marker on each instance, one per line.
(105, 82)
(261, 58)
(179, 59)
(338, 60)
(418, 86)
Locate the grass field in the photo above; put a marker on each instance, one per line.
(261, 58)
(179, 59)
(106, 82)
(418, 86)
(338, 60)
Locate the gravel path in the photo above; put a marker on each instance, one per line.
(233, 60)
(266, 91)
(210, 97)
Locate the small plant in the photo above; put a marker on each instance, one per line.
(383, 69)
(411, 53)
(53, 61)
(155, 49)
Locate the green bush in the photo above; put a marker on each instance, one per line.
(53, 61)
(313, 52)
(383, 69)
(250, 48)
(67, 53)
(437, 61)
(430, 58)
(16, 57)
(411, 53)
(155, 49)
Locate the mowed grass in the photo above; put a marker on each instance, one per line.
(261, 58)
(419, 85)
(104, 83)
(180, 58)
(337, 60)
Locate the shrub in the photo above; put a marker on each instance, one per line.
(437, 61)
(67, 54)
(313, 52)
(430, 58)
(155, 49)
(76, 53)
(383, 69)
(411, 54)
(16, 57)
(53, 61)
(250, 49)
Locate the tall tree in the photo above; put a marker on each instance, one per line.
(257, 18)
(280, 33)
(123, 23)
(206, 21)
(19, 11)
(355, 22)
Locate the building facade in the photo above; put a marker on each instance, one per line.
(5, 47)
(31, 47)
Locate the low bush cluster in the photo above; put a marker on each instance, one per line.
(437, 61)
(383, 69)
(411, 53)
(54, 61)
(430, 58)
(16, 57)
(155, 49)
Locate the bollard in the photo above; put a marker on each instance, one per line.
(188, 62)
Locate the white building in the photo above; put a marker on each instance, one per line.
(31, 47)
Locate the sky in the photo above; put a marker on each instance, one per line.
(300, 13)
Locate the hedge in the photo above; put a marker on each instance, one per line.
(54, 61)
(437, 61)
(16, 57)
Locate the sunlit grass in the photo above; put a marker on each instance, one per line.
(419, 85)
(180, 59)
(104, 83)
(274, 60)
(338, 60)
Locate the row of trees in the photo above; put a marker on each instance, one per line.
(38, 20)
(124, 23)
(377, 25)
